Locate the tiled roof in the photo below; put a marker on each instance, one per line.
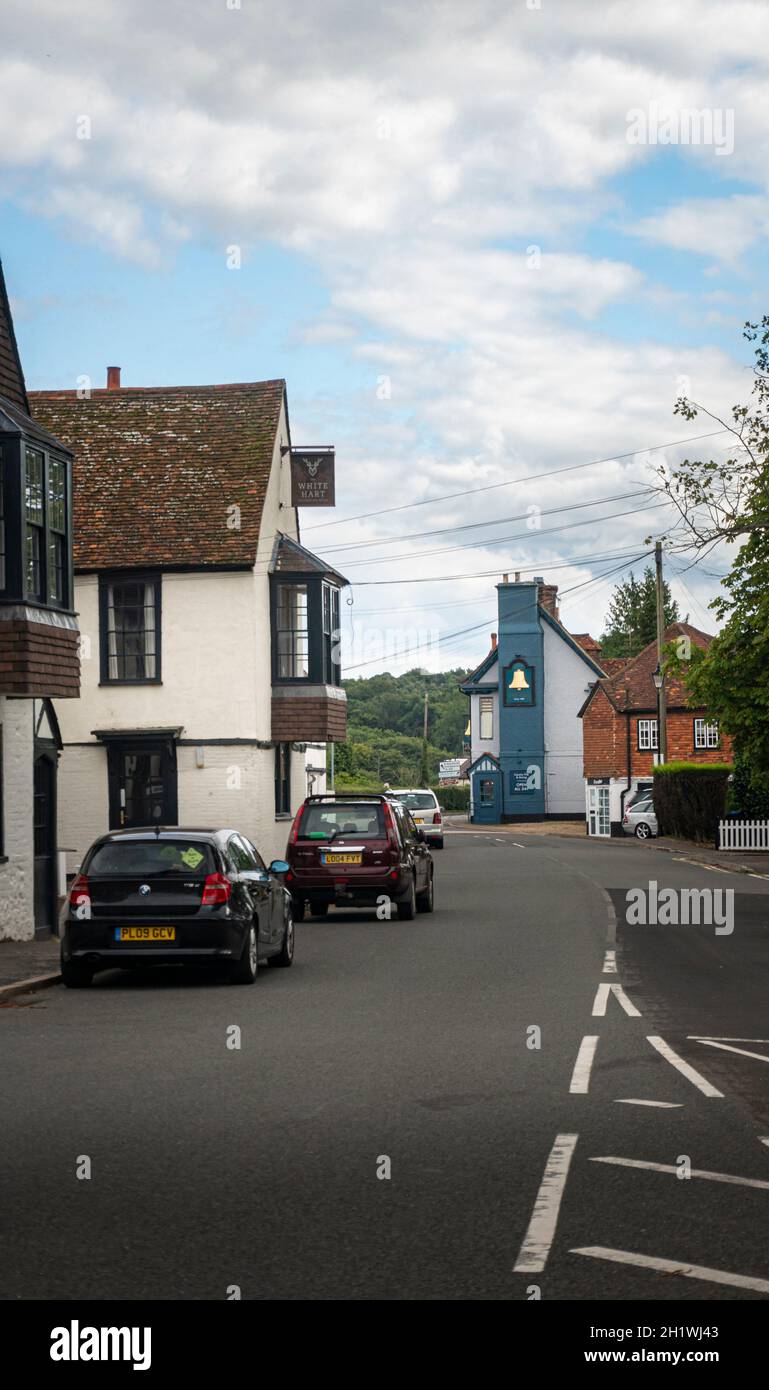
(289, 557)
(11, 374)
(612, 664)
(157, 468)
(632, 686)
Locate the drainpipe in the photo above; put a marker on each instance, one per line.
(628, 763)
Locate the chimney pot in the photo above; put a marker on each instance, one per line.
(517, 576)
(113, 378)
(493, 641)
(505, 578)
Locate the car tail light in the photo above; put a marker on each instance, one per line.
(80, 892)
(389, 820)
(437, 818)
(216, 890)
(294, 836)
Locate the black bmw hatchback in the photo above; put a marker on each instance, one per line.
(174, 896)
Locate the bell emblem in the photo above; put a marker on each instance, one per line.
(519, 681)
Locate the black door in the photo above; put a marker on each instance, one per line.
(44, 823)
(142, 784)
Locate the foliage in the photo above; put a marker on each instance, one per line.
(384, 739)
(690, 798)
(749, 793)
(730, 500)
(631, 623)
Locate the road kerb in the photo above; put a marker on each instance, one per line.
(29, 986)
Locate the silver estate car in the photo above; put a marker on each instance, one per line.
(639, 818)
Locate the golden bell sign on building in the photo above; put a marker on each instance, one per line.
(519, 683)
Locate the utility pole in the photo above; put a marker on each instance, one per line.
(424, 771)
(661, 694)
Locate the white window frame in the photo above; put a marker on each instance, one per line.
(648, 736)
(486, 711)
(706, 734)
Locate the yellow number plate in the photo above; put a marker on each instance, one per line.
(145, 933)
(342, 859)
(419, 820)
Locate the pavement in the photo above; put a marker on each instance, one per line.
(33, 963)
(521, 1090)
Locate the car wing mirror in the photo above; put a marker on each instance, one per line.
(279, 866)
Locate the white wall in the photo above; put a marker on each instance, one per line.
(216, 684)
(485, 745)
(17, 886)
(566, 683)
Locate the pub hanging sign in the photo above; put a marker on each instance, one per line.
(312, 478)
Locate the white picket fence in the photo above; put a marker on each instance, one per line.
(743, 834)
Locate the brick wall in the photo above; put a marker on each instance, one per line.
(38, 659)
(604, 740)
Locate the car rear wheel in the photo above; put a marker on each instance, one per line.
(408, 907)
(297, 909)
(642, 830)
(426, 900)
(76, 975)
(319, 909)
(437, 844)
(245, 971)
(285, 955)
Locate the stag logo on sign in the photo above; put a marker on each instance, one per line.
(681, 907)
(312, 467)
(76, 1343)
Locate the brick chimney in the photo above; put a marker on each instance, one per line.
(493, 641)
(113, 378)
(548, 594)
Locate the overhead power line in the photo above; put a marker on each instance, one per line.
(514, 482)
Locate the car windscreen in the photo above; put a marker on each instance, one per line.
(149, 858)
(326, 821)
(416, 801)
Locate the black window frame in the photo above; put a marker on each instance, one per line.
(15, 525)
(106, 581)
(283, 780)
(321, 667)
(2, 801)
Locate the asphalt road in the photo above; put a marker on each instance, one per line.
(257, 1166)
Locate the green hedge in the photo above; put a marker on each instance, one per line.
(453, 798)
(690, 798)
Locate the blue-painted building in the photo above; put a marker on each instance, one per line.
(525, 698)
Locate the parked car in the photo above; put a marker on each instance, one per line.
(178, 897)
(349, 850)
(424, 807)
(639, 818)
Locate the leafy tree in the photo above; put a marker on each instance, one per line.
(632, 617)
(730, 501)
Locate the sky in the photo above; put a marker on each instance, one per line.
(482, 243)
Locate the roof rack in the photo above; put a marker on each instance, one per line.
(347, 796)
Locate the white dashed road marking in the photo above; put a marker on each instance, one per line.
(532, 1256)
(713, 1276)
(694, 1173)
(661, 1104)
(580, 1081)
(689, 1072)
(610, 963)
(602, 999)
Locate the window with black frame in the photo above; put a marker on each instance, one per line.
(57, 529)
(130, 622)
(34, 518)
(282, 779)
(292, 632)
(330, 634)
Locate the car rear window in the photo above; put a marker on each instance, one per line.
(324, 822)
(148, 858)
(416, 801)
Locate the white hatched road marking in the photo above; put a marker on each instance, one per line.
(694, 1173)
(713, 1276)
(580, 1080)
(535, 1248)
(741, 1051)
(610, 963)
(696, 1078)
(602, 999)
(661, 1104)
(764, 1140)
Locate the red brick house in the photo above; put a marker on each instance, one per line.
(620, 735)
